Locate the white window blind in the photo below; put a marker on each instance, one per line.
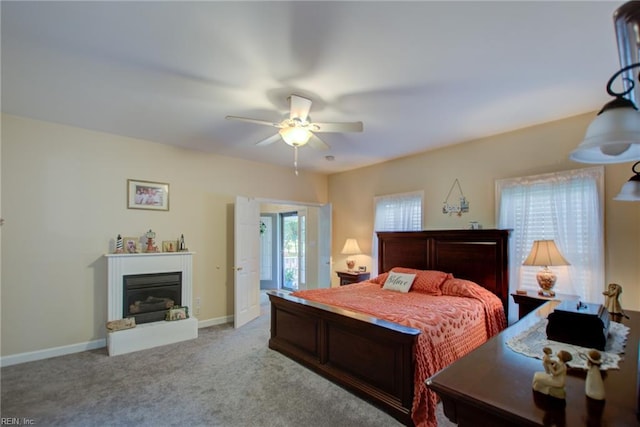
(395, 212)
(566, 207)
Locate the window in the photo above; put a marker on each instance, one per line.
(396, 212)
(566, 207)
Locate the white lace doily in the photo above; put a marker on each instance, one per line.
(531, 342)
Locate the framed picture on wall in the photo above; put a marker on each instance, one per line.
(147, 195)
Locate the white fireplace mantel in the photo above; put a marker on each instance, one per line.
(152, 334)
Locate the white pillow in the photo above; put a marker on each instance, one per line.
(399, 282)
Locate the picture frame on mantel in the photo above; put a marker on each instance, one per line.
(169, 245)
(147, 195)
(131, 245)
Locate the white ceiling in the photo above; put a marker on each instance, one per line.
(419, 75)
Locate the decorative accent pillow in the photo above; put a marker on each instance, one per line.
(463, 288)
(427, 281)
(399, 282)
(380, 279)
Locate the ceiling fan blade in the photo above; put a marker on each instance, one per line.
(337, 127)
(260, 122)
(269, 140)
(299, 107)
(317, 143)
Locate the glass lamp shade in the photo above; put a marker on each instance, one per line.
(630, 191)
(295, 136)
(545, 253)
(613, 137)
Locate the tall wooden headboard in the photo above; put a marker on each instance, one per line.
(481, 256)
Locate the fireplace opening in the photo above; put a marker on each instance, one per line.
(147, 297)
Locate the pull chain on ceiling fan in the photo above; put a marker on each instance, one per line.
(297, 130)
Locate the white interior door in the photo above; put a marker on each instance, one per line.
(317, 247)
(324, 246)
(246, 261)
(302, 248)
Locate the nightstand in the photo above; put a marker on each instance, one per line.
(349, 277)
(530, 300)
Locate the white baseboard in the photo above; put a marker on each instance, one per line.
(47, 353)
(51, 352)
(215, 321)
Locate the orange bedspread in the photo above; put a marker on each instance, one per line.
(452, 325)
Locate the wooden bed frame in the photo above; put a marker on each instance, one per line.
(371, 357)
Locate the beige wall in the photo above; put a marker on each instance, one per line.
(64, 201)
(540, 149)
(64, 194)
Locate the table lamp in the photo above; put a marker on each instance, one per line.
(545, 253)
(351, 248)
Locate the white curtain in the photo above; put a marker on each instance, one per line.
(566, 207)
(395, 212)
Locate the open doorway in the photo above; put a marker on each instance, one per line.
(259, 257)
(294, 246)
(282, 255)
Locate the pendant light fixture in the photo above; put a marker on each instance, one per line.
(630, 191)
(614, 135)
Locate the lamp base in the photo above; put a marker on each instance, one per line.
(351, 264)
(548, 293)
(546, 280)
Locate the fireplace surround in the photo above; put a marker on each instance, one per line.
(150, 333)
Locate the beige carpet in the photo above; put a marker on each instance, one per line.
(226, 377)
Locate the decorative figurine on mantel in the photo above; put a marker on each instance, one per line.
(181, 245)
(551, 382)
(119, 245)
(593, 386)
(151, 247)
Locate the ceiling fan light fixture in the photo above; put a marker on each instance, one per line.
(295, 136)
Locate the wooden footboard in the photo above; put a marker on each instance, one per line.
(371, 357)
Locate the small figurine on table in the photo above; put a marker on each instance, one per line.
(594, 386)
(552, 383)
(612, 299)
(547, 359)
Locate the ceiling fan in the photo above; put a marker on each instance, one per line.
(298, 130)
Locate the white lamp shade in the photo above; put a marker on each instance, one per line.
(545, 253)
(630, 191)
(295, 136)
(351, 247)
(613, 137)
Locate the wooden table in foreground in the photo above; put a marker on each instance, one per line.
(491, 386)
